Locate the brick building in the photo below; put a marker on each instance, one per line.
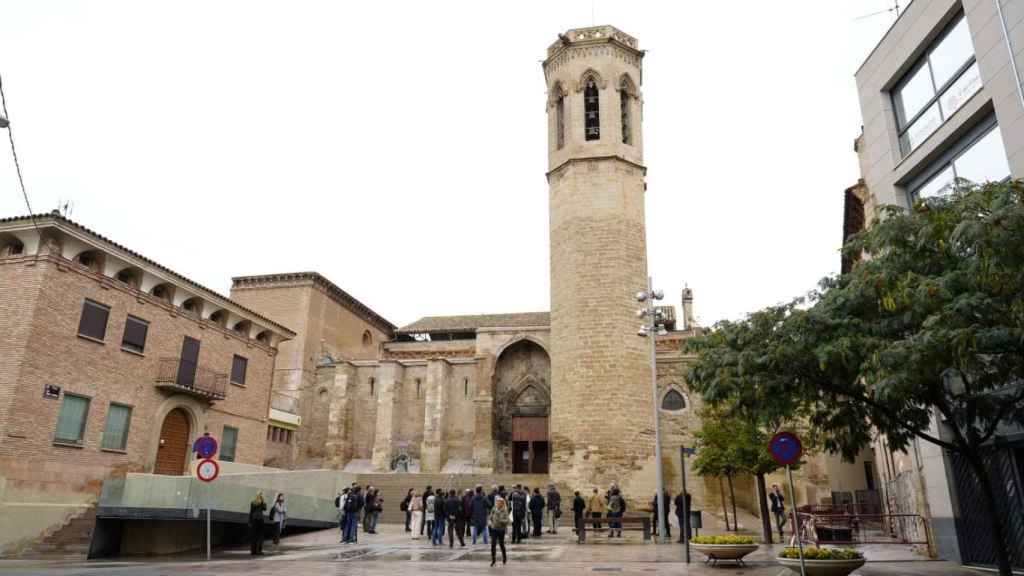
(111, 363)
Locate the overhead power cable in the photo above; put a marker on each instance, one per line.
(14, 152)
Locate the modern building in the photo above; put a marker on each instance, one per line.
(941, 99)
(111, 363)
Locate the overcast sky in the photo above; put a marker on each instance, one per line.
(399, 148)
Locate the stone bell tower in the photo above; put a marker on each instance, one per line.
(601, 422)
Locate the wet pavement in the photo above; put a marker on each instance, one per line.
(394, 553)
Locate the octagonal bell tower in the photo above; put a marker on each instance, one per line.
(601, 426)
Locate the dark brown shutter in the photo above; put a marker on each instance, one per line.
(94, 320)
(135, 330)
(238, 367)
(189, 362)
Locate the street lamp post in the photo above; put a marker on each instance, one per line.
(653, 326)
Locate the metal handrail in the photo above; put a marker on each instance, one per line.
(203, 381)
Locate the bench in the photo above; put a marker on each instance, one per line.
(629, 522)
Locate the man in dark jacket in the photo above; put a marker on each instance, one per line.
(479, 514)
(579, 506)
(536, 511)
(467, 511)
(426, 494)
(353, 506)
(683, 511)
(778, 507)
(440, 518)
(554, 509)
(661, 517)
(518, 504)
(456, 519)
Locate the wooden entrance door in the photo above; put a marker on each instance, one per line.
(172, 453)
(530, 444)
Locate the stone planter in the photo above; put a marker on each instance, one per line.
(716, 552)
(823, 567)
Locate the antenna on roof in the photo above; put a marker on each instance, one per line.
(895, 8)
(64, 208)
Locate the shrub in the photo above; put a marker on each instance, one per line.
(722, 540)
(813, 553)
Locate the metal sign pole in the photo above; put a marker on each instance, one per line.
(208, 521)
(796, 520)
(686, 512)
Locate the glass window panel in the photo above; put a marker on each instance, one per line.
(951, 53)
(115, 435)
(922, 128)
(673, 400)
(227, 444)
(135, 330)
(93, 322)
(984, 161)
(961, 90)
(915, 93)
(239, 365)
(940, 184)
(71, 421)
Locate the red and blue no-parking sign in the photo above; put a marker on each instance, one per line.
(785, 448)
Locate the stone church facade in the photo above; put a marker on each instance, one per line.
(565, 393)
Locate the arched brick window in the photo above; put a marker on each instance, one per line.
(673, 401)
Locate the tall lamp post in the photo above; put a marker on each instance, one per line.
(653, 326)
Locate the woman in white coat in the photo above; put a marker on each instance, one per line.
(416, 505)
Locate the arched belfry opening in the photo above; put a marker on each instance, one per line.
(522, 384)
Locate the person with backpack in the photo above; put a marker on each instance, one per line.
(428, 514)
(339, 503)
(416, 507)
(404, 506)
(554, 509)
(440, 518)
(517, 501)
(456, 519)
(616, 508)
(353, 506)
(426, 494)
(479, 514)
(536, 511)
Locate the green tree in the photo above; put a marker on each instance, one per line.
(929, 325)
(728, 446)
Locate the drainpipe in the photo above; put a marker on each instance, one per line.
(1009, 48)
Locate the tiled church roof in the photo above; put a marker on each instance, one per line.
(472, 322)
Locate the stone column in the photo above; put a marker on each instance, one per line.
(388, 414)
(338, 445)
(483, 416)
(434, 449)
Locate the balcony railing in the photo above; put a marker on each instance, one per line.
(179, 375)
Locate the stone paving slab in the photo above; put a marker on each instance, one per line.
(394, 553)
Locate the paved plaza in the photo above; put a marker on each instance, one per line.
(393, 553)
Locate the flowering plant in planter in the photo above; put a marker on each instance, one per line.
(822, 561)
(729, 539)
(813, 553)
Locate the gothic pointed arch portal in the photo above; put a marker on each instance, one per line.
(522, 405)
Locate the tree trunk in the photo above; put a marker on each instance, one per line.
(725, 511)
(989, 499)
(762, 499)
(732, 496)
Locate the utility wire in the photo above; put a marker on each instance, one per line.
(17, 165)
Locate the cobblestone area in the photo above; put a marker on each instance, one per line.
(393, 553)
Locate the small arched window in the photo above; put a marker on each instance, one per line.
(367, 338)
(591, 111)
(673, 401)
(624, 95)
(560, 117)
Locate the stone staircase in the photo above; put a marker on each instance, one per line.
(71, 539)
(393, 487)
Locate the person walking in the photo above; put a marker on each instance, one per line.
(497, 522)
(479, 514)
(579, 508)
(440, 517)
(428, 514)
(554, 509)
(456, 519)
(416, 508)
(536, 511)
(778, 506)
(426, 494)
(596, 505)
(616, 508)
(339, 503)
(657, 518)
(256, 510)
(368, 507)
(404, 506)
(278, 513)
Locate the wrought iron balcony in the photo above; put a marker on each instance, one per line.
(177, 375)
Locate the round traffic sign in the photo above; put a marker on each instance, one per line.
(205, 446)
(207, 470)
(785, 448)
